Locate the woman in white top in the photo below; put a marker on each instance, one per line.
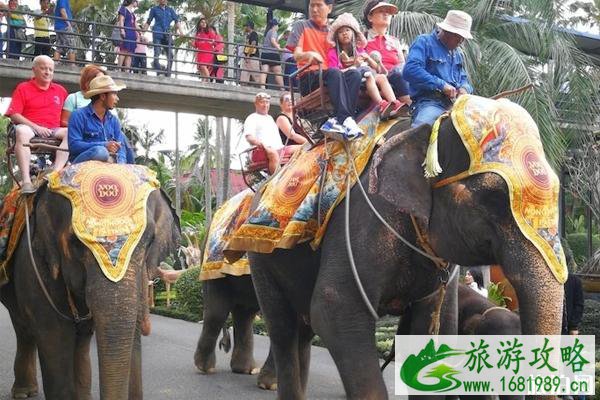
(474, 280)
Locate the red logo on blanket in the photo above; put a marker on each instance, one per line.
(107, 191)
(536, 169)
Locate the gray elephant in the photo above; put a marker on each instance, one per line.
(467, 222)
(76, 287)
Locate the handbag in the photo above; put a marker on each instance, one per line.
(222, 58)
(115, 36)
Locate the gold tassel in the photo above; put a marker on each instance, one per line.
(431, 164)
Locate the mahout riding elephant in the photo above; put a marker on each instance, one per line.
(235, 295)
(75, 285)
(468, 222)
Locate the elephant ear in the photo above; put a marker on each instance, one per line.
(167, 232)
(396, 173)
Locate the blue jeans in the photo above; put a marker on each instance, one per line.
(96, 153)
(426, 111)
(14, 48)
(162, 41)
(397, 82)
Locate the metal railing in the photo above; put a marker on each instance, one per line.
(96, 43)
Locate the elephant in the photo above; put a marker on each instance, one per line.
(75, 287)
(468, 222)
(235, 295)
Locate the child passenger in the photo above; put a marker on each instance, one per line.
(347, 51)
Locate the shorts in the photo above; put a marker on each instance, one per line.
(65, 42)
(21, 126)
(270, 59)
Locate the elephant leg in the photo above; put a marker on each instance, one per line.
(217, 305)
(25, 366)
(56, 352)
(242, 358)
(352, 347)
(267, 378)
(282, 323)
(83, 366)
(304, 345)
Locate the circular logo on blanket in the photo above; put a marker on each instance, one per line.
(107, 191)
(535, 168)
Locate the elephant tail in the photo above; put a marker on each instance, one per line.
(225, 342)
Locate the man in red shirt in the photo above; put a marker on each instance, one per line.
(35, 110)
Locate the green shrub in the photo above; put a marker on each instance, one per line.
(590, 323)
(175, 313)
(189, 292)
(578, 243)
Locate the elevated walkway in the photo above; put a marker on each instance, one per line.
(152, 92)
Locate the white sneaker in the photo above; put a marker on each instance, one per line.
(353, 131)
(332, 126)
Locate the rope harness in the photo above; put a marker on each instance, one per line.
(75, 314)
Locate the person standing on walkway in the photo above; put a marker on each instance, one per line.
(271, 57)
(129, 35)
(251, 63)
(163, 16)
(65, 40)
(204, 43)
(16, 32)
(435, 69)
(41, 35)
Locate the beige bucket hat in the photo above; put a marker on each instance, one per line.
(458, 22)
(103, 84)
(346, 19)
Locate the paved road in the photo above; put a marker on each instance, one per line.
(169, 372)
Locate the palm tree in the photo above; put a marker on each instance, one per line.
(512, 47)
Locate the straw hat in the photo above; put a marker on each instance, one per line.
(346, 19)
(458, 22)
(103, 84)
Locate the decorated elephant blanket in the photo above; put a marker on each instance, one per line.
(109, 209)
(12, 223)
(501, 137)
(228, 218)
(298, 201)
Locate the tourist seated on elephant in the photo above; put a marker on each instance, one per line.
(385, 49)
(35, 110)
(347, 52)
(94, 132)
(435, 68)
(261, 131)
(308, 41)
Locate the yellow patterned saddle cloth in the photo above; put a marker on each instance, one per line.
(298, 201)
(501, 137)
(12, 223)
(228, 218)
(109, 208)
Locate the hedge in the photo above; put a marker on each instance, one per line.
(578, 243)
(189, 293)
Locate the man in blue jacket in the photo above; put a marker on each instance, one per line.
(94, 132)
(435, 68)
(163, 16)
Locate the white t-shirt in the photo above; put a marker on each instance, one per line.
(264, 128)
(482, 291)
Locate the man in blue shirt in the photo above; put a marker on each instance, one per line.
(435, 69)
(94, 132)
(163, 16)
(65, 41)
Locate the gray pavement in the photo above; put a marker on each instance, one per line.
(169, 372)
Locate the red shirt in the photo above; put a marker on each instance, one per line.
(389, 48)
(42, 107)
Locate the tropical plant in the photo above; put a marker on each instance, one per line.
(512, 47)
(496, 294)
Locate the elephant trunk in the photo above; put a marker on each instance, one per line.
(540, 295)
(116, 307)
